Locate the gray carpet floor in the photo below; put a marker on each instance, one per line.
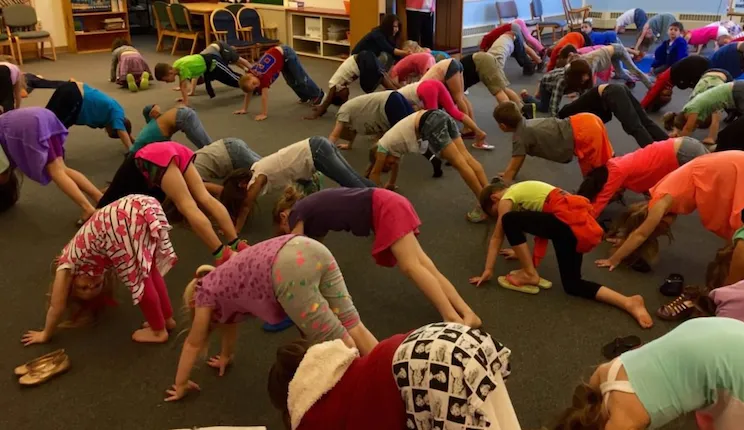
(115, 383)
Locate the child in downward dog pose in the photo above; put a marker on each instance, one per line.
(511, 44)
(710, 33)
(188, 69)
(639, 170)
(12, 85)
(671, 50)
(412, 67)
(161, 126)
(484, 67)
(289, 275)
(643, 388)
(709, 184)
(440, 376)
(549, 213)
(614, 55)
(729, 96)
(730, 57)
(218, 160)
(128, 67)
(297, 162)
(636, 16)
(394, 223)
(165, 169)
(599, 37)
(32, 140)
(450, 73)
(130, 237)
(607, 100)
(576, 77)
(683, 74)
(657, 27)
(279, 59)
(576, 39)
(583, 135)
(527, 37)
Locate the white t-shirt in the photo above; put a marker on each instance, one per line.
(285, 166)
(410, 92)
(439, 71)
(366, 114)
(346, 73)
(626, 19)
(401, 139)
(502, 48)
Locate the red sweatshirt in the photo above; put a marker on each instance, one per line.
(492, 35)
(366, 397)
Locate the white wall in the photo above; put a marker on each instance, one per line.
(52, 19)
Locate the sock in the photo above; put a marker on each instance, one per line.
(218, 252)
(234, 244)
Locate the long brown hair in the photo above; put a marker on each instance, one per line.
(289, 198)
(232, 193)
(484, 198)
(629, 221)
(585, 412)
(82, 313)
(288, 359)
(718, 269)
(575, 72)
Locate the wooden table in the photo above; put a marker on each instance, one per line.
(205, 10)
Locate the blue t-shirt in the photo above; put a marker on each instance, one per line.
(150, 133)
(100, 110)
(603, 37)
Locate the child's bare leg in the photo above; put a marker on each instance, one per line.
(472, 162)
(406, 252)
(202, 197)
(456, 86)
(502, 97)
(84, 184)
(532, 54)
(633, 305)
(513, 96)
(58, 171)
(451, 154)
(528, 274)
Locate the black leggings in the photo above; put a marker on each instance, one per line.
(547, 226)
(731, 137)
(7, 98)
(129, 180)
(618, 100)
(34, 81)
(420, 27)
(221, 73)
(66, 102)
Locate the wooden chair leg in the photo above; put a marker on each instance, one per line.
(54, 50)
(193, 45)
(40, 49)
(20, 53)
(175, 45)
(159, 46)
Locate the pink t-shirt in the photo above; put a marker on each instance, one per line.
(638, 171)
(434, 95)
(244, 285)
(413, 65)
(729, 301)
(709, 184)
(163, 153)
(703, 35)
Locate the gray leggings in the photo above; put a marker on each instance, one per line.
(311, 289)
(690, 149)
(621, 56)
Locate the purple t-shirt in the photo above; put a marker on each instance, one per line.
(31, 138)
(244, 285)
(335, 209)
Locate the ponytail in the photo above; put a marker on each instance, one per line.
(585, 412)
(188, 293)
(289, 198)
(288, 359)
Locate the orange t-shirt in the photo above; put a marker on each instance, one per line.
(574, 38)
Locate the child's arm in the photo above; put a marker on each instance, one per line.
(194, 82)
(192, 347)
(17, 89)
(513, 168)
(641, 36)
(126, 139)
(57, 306)
(114, 66)
(374, 175)
(246, 102)
(250, 198)
(183, 86)
(715, 122)
(336, 133)
(264, 105)
(494, 245)
(227, 353)
(393, 177)
(319, 111)
(213, 189)
(690, 125)
(736, 268)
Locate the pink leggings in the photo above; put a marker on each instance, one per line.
(155, 303)
(528, 37)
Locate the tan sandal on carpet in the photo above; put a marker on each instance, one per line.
(36, 362)
(543, 283)
(507, 282)
(46, 371)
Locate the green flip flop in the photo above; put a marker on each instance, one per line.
(528, 289)
(544, 283)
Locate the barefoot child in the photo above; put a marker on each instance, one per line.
(279, 59)
(639, 170)
(161, 126)
(394, 223)
(297, 162)
(289, 275)
(438, 376)
(32, 140)
(708, 184)
(76, 103)
(12, 84)
(128, 67)
(643, 389)
(165, 169)
(582, 135)
(671, 50)
(607, 100)
(128, 236)
(549, 213)
(188, 69)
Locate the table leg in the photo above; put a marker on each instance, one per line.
(207, 33)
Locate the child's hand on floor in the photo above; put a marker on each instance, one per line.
(478, 280)
(178, 392)
(260, 117)
(240, 112)
(31, 337)
(508, 254)
(220, 363)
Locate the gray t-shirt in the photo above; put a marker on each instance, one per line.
(659, 24)
(548, 138)
(599, 60)
(502, 48)
(366, 114)
(213, 162)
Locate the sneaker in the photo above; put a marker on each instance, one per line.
(240, 245)
(483, 145)
(144, 81)
(477, 215)
(131, 83)
(223, 256)
(529, 110)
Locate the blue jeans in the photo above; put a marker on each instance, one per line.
(640, 18)
(189, 123)
(519, 54)
(329, 161)
(241, 155)
(543, 103)
(297, 78)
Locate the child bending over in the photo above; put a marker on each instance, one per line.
(576, 77)
(655, 28)
(683, 74)
(710, 33)
(599, 37)
(161, 126)
(128, 67)
(636, 16)
(12, 85)
(188, 69)
(549, 213)
(289, 275)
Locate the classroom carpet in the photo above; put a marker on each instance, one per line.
(115, 383)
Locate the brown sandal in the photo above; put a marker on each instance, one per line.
(678, 309)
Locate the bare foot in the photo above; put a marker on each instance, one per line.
(147, 335)
(523, 278)
(472, 320)
(343, 146)
(170, 324)
(637, 308)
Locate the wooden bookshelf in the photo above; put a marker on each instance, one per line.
(318, 45)
(94, 37)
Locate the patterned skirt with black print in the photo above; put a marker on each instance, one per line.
(445, 372)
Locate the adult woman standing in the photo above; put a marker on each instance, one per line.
(383, 41)
(420, 21)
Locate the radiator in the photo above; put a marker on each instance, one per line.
(471, 36)
(606, 20)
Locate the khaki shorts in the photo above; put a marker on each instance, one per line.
(490, 73)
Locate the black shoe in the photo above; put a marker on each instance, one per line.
(673, 285)
(529, 110)
(528, 69)
(436, 163)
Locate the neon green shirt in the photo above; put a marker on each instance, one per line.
(190, 66)
(528, 195)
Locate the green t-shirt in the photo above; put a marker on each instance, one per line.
(709, 81)
(528, 195)
(713, 100)
(738, 235)
(190, 66)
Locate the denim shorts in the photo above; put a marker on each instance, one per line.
(241, 155)
(689, 150)
(439, 129)
(455, 67)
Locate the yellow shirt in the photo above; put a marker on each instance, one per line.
(528, 195)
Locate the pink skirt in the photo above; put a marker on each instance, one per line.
(393, 217)
(131, 63)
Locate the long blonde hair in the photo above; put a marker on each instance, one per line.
(188, 293)
(629, 221)
(585, 412)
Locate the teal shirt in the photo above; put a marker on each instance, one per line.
(682, 371)
(150, 133)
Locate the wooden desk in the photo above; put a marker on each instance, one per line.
(205, 10)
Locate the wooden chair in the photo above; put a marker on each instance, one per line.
(5, 40)
(556, 26)
(252, 27)
(180, 18)
(235, 8)
(23, 27)
(575, 17)
(225, 28)
(163, 23)
(507, 11)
